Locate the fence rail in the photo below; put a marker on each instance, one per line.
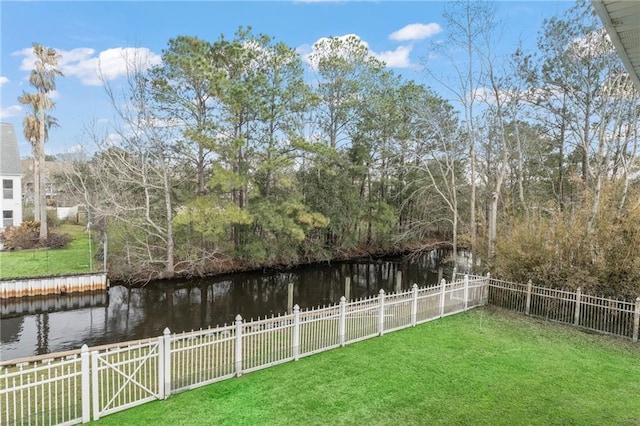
(77, 386)
(610, 316)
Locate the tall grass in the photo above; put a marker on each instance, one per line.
(483, 367)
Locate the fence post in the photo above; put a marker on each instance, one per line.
(443, 290)
(398, 281)
(290, 297)
(160, 372)
(94, 385)
(166, 336)
(486, 288)
(381, 313)
(296, 332)
(414, 305)
(86, 380)
(238, 345)
(636, 320)
(347, 288)
(466, 291)
(343, 320)
(576, 314)
(527, 307)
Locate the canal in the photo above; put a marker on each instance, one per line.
(37, 326)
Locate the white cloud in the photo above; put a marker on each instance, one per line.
(75, 149)
(398, 58)
(416, 32)
(84, 64)
(596, 43)
(3, 80)
(12, 111)
(323, 48)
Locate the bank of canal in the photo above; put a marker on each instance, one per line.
(130, 313)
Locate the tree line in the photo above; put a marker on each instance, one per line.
(236, 152)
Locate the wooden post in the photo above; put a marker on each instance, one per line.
(443, 290)
(238, 346)
(381, 313)
(296, 332)
(290, 298)
(347, 288)
(342, 321)
(440, 271)
(636, 320)
(104, 251)
(398, 281)
(576, 314)
(527, 307)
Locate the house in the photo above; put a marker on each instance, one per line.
(54, 172)
(11, 176)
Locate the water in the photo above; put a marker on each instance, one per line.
(130, 313)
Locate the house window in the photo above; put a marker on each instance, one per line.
(7, 218)
(7, 189)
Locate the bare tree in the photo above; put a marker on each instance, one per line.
(130, 179)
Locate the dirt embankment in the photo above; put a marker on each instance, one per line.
(225, 265)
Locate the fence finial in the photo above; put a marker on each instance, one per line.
(166, 331)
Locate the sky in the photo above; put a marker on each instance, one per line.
(88, 33)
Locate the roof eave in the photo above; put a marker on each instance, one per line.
(615, 39)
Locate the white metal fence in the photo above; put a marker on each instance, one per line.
(617, 317)
(77, 386)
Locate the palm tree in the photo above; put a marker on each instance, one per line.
(37, 123)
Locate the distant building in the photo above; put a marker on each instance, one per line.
(54, 172)
(11, 176)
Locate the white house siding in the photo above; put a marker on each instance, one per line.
(10, 178)
(13, 204)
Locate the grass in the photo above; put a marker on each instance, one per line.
(483, 367)
(72, 259)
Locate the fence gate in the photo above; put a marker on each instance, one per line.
(124, 377)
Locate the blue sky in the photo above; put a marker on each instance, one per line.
(401, 33)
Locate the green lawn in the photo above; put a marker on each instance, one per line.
(72, 259)
(483, 367)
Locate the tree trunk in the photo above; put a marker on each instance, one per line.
(170, 262)
(42, 201)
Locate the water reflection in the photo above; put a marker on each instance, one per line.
(129, 313)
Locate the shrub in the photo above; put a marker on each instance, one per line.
(57, 241)
(25, 236)
(52, 217)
